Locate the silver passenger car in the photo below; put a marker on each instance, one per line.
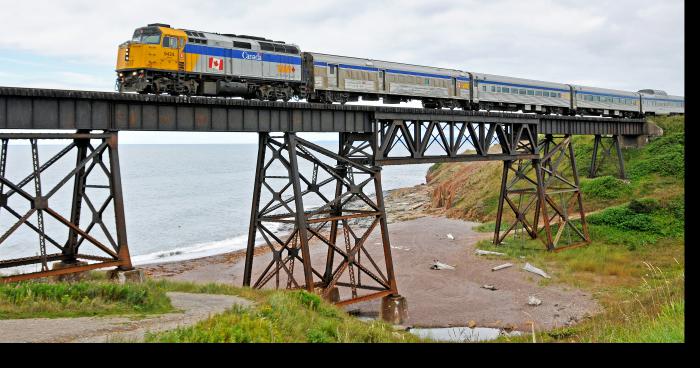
(341, 77)
(496, 92)
(606, 102)
(655, 102)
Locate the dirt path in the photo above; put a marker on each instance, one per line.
(195, 307)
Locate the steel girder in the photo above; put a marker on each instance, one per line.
(345, 217)
(106, 247)
(416, 141)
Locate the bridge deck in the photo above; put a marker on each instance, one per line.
(28, 108)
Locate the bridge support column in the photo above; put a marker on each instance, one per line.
(599, 143)
(319, 214)
(83, 243)
(546, 194)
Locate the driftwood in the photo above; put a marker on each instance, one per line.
(437, 265)
(480, 252)
(530, 268)
(502, 267)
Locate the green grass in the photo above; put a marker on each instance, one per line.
(86, 298)
(634, 265)
(285, 316)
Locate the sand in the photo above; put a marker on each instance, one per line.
(436, 298)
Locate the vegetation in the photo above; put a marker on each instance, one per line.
(87, 298)
(277, 316)
(285, 316)
(635, 264)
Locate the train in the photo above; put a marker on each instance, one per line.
(160, 59)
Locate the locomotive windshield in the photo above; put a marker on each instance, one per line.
(148, 35)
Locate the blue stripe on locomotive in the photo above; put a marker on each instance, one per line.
(242, 54)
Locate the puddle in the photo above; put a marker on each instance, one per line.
(462, 334)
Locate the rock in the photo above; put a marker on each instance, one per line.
(471, 324)
(533, 301)
(489, 287)
(450, 236)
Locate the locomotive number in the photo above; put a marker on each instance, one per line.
(285, 69)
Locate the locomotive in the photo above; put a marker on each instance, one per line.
(161, 59)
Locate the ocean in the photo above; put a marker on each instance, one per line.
(182, 201)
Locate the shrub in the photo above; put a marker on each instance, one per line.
(605, 187)
(644, 205)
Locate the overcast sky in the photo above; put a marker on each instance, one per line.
(628, 45)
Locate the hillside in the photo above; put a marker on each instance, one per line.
(635, 263)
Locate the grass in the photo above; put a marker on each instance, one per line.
(277, 316)
(634, 266)
(80, 299)
(285, 316)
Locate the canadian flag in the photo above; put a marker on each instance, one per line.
(216, 63)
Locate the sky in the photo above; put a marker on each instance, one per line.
(627, 45)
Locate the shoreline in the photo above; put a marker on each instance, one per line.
(396, 211)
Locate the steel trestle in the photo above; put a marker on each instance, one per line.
(546, 202)
(292, 172)
(105, 247)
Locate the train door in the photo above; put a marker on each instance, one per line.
(181, 67)
(333, 75)
(171, 52)
(380, 80)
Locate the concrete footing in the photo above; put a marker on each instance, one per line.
(122, 277)
(333, 295)
(69, 277)
(394, 309)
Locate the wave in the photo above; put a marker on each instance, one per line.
(199, 250)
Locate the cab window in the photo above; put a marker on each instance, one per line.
(170, 42)
(149, 36)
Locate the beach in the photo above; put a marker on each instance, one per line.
(436, 298)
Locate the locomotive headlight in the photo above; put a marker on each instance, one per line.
(134, 73)
(121, 74)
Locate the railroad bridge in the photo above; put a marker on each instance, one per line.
(539, 193)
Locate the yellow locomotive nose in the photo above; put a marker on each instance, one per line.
(122, 57)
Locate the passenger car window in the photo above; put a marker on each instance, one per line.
(530, 92)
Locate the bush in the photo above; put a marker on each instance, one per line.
(664, 156)
(644, 205)
(644, 215)
(605, 187)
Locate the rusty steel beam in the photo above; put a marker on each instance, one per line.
(87, 158)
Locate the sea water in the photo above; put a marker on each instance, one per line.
(181, 201)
